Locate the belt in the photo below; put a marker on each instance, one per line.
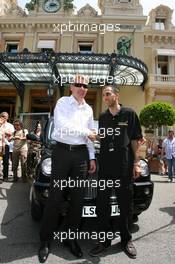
(71, 147)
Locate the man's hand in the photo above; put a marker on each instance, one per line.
(17, 137)
(93, 135)
(136, 171)
(92, 166)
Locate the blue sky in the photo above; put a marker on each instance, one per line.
(147, 4)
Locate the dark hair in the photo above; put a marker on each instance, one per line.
(18, 121)
(36, 126)
(171, 130)
(115, 88)
(4, 113)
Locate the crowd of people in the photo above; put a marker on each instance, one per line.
(163, 152)
(15, 147)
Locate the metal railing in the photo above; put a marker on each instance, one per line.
(30, 120)
(162, 78)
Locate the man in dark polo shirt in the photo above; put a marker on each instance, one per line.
(120, 133)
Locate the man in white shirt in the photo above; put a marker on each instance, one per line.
(72, 158)
(9, 129)
(168, 147)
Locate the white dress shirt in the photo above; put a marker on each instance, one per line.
(73, 123)
(169, 148)
(9, 129)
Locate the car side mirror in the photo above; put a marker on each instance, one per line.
(53, 142)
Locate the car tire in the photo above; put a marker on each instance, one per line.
(36, 210)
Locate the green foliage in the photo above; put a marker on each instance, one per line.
(31, 5)
(157, 114)
(68, 4)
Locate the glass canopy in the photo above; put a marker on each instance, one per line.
(49, 67)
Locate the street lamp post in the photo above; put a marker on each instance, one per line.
(50, 90)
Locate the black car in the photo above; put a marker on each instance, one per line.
(143, 186)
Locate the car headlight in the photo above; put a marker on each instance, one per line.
(144, 168)
(46, 166)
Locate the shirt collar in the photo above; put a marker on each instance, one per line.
(109, 113)
(74, 101)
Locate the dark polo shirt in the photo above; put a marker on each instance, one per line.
(116, 133)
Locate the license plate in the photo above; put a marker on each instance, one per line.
(90, 211)
(115, 210)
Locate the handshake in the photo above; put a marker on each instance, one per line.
(93, 135)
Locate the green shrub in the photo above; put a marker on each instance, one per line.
(157, 114)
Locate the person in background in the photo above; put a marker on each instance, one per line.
(11, 149)
(2, 140)
(149, 149)
(158, 152)
(33, 150)
(168, 147)
(20, 149)
(8, 129)
(2, 137)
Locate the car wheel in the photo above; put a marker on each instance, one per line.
(36, 210)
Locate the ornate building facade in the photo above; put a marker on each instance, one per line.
(121, 27)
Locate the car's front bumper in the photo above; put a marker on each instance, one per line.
(143, 192)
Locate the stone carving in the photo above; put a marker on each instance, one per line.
(4, 5)
(16, 10)
(87, 10)
(160, 12)
(118, 7)
(10, 7)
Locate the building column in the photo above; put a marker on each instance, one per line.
(150, 95)
(172, 65)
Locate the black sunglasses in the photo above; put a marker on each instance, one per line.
(79, 85)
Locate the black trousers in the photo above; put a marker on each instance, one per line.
(125, 198)
(6, 162)
(65, 163)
